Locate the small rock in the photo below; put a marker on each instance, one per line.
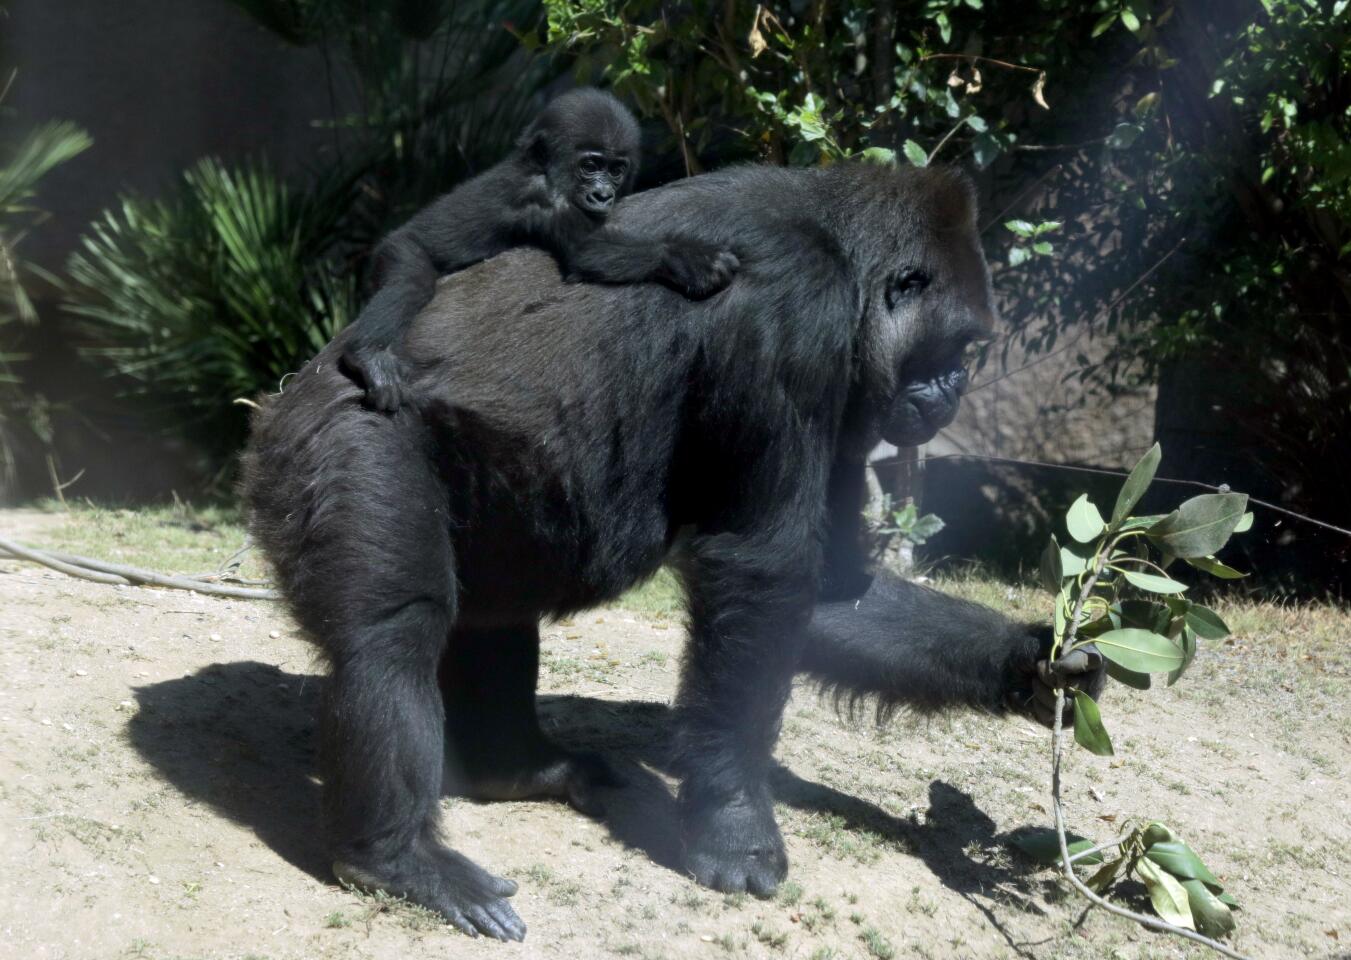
(125, 705)
(68, 728)
(81, 673)
(215, 638)
(153, 879)
(274, 635)
(46, 722)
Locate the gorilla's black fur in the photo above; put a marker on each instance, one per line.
(564, 437)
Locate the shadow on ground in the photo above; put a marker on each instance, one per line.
(240, 738)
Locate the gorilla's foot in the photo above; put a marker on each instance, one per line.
(440, 879)
(574, 778)
(736, 846)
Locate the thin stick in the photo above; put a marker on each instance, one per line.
(100, 571)
(1057, 748)
(972, 56)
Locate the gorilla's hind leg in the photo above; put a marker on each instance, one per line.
(495, 749)
(378, 593)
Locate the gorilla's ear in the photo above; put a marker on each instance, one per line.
(534, 146)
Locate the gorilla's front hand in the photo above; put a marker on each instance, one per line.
(696, 269)
(1083, 669)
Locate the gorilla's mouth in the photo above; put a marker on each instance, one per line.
(923, 408)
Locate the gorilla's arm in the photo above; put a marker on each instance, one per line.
(905, 645)
(686, 265)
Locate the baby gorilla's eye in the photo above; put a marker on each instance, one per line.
(907, 283)
(619, 168)
(589, 165)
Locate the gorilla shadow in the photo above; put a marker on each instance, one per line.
(240, 737)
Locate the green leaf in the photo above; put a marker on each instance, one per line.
(1138, 523)
(1089, 732)
(1061, 602)
(1130, 20)
(1072, 564)
(1124, 135)
(1153, 582)
(1020, 227)
(1042, 845)
(1140, 681)
(1140, 650)
(1201, 526)
(1215, 568)
(1181, 861)
(1187, 640)
(1104, 23)
(1228, 900)
(916, 154)
(1212, 917)
(1244, 524)
(1018, 256)
(1168, 896)
(1141, 475)
(1042, 249)
(1145, 614)
(985, 149)
(1083, 520)
(1105, 875)
(879, 155)
(1206, 622)
(1155, 832)
(1050, 569)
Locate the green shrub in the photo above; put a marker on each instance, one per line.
(213, 295)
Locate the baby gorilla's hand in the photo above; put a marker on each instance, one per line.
(380, 372)
(697, 269)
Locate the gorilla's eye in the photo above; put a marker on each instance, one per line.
(618, 169)
(589, 165)
(905, 284)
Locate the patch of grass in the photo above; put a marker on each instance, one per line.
(659, 596)
(171, 539)
(830, 832)
(562, 892)
(877, 945)
(774, 939)
(790, 893)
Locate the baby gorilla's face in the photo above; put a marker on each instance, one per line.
(599, 178)
(924, 407)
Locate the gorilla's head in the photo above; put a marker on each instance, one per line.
(926, 297)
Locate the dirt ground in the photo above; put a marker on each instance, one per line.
(158, 797)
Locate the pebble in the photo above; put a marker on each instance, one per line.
(153, 879)
(274, 634)
(81, 673)
(46, 722)
(215, 637)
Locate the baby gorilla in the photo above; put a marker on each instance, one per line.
(554, 190)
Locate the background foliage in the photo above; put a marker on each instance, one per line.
(1170, 180)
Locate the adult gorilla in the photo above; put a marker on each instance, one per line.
(564, 435)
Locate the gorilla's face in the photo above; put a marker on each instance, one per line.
(931, 303)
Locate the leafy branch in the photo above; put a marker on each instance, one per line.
(1136, 638)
